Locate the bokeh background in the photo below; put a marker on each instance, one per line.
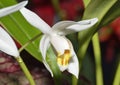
(11, 74)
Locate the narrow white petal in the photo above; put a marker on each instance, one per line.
(59, 43)
(73, 66)
(44, 44)
(48, 68)
(92, 21)
(35, 20)
(60, 26)
(82, 25)
(8, 10)
(67, 27)
(7, 44)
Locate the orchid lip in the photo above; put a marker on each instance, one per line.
(64, 59)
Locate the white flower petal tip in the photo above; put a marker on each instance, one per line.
(89, 21)
(35, 20)
(93, 21)
(8, 10)
(47, 66)
(74, 70)
(82, 25)
(7, 44)
(73, 66)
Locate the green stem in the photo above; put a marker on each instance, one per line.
(25, 70)
(97, 54)
(58, 10)
(117, 76)
(74, 80)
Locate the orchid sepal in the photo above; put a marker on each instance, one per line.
(10, 9)
(7, 44)
(35, 20)
(68, 27)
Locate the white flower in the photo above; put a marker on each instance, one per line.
(55, 36)
(7, 44)
(8, 10)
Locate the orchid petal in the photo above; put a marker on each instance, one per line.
(59, 43)
(35, 20)
(82, 25)
(60, 26)
(89, 21)
(44, 44)
(62, 68)
(67, 27)
(47, 66)
(7, 44)
(73, 66)
(7, 10)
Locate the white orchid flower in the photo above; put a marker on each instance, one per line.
(8, 10)
(55, 36)
(7, 44)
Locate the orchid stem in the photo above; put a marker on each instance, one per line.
(117, 76)
(97, 54)
(74, 80)
(25, 70)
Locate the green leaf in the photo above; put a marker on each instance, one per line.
(99, 9)
(51, 59)
(5, 3)
(87, 73)
(113, 13)
(19, 28)
(86, 2)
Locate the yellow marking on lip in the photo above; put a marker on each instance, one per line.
(64, 59)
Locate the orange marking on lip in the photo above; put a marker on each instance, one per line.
(64, 58)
